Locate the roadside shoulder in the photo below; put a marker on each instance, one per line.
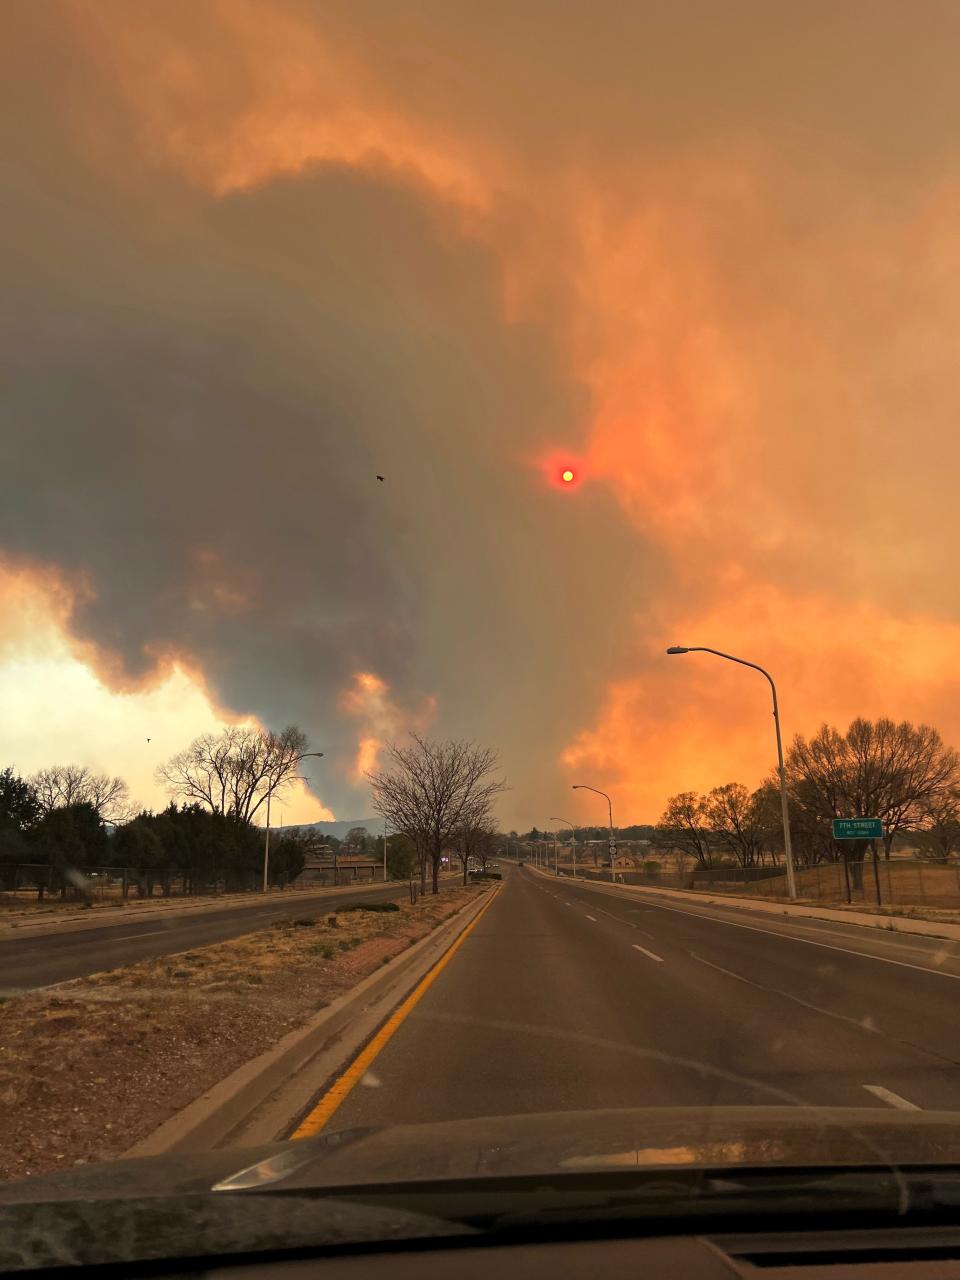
(862, 919)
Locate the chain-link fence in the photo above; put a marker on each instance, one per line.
(897, 882)
(26, 882)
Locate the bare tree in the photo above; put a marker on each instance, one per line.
(735, 822)
(939, 836)
(233, 772)
(877, 769)
(431, 790)
(685, 825)
(474, 842)
(68, 784)
(769, 818)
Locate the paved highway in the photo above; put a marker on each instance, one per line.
(53, 955)
(568, 997)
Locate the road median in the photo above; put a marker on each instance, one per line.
(108, 915)
(182, 1053)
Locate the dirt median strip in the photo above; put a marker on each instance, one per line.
(91, 1066)
(158, 908)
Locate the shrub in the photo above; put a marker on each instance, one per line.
(370, 906)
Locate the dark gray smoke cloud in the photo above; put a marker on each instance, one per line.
(198, 393)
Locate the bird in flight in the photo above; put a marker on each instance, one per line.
(380, 478)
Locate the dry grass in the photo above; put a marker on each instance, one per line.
(90, 1067)
(20, 909)
(919, 890)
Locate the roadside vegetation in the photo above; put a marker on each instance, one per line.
(440, 796)
(902, 773)
(89, 1067)
(66, 826)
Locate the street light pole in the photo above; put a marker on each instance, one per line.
(787, 846)
(266, 844)
(266, 839)
(573, 840)
(613, 843)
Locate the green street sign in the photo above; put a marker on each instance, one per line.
(857, 829)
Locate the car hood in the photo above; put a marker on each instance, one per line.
(546, 1143)
(374, 1187)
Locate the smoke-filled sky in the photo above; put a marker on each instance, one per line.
(256, 252)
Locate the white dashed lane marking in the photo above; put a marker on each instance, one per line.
(652, 954)
(890, 1098)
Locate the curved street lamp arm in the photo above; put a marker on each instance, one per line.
(718, 653)
(787, 845)
(700, 648)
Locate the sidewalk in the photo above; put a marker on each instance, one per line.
(863, 919)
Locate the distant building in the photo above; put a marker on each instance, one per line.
(324, 867)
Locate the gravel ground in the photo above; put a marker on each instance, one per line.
(90, 1067)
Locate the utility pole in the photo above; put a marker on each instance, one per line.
(266, 845)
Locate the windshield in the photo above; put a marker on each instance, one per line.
(477, 619)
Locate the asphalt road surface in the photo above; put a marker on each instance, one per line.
(566, 997)
(44, 958)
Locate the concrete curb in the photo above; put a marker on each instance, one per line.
(261, 1100)
(887, 924)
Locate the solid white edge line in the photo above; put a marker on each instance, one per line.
(651, 954)
(890, 1098)
(789, 937)
(127, 937)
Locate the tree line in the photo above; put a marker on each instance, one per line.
(67, 819)
(637, 831)
(64, 820)
(901, 773)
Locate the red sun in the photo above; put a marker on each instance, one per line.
(567, 476)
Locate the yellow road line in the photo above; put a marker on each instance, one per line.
(337, 1094)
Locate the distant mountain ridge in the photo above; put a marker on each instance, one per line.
(339, 829)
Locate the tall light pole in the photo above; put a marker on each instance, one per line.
(266, 841)
(613, 843)
(787, 847)
(384, 851)
(573, 840)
